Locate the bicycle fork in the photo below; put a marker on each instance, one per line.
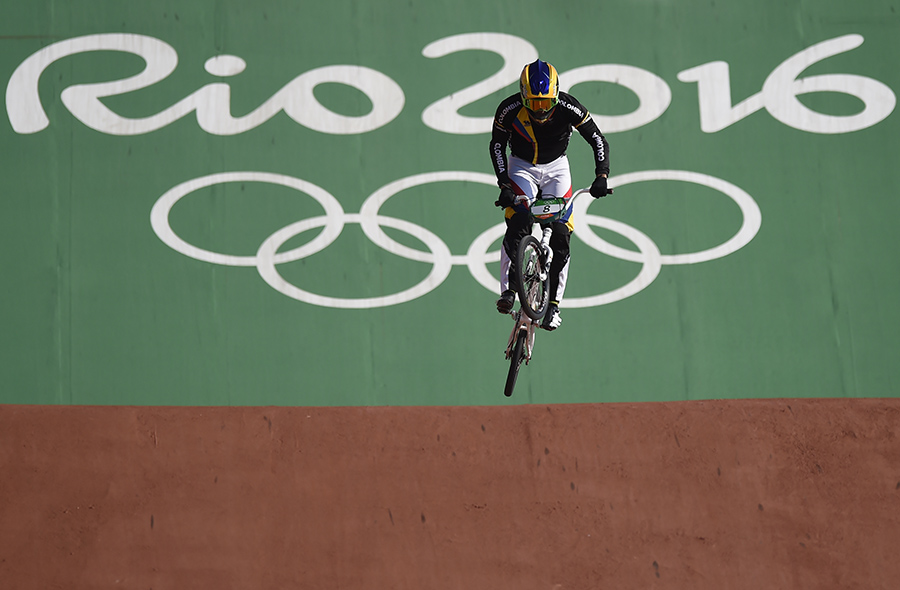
(526, 324)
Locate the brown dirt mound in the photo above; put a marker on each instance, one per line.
(689, 495)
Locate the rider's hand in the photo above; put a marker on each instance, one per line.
(507, 197)
(599, 188)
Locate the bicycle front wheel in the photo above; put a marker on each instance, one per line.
(515, 361)
(533, 292)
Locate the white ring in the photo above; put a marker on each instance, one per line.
(266, 264)
(370, 208)
(159, 217)
(749, 209)
(651, 259)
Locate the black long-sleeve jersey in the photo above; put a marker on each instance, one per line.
(540, 143)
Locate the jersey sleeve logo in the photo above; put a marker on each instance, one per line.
(580, 113)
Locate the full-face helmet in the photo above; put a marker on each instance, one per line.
(539, 87)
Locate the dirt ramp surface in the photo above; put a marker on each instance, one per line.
(692, 495)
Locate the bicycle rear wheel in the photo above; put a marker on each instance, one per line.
(533, 292)
(515, 361)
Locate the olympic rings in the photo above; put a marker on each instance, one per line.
(476, 258)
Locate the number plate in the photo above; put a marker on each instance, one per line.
(545, 209)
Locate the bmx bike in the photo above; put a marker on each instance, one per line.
(533, 258)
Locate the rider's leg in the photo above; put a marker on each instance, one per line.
(518, 225)
(524, 177)
(559, 272)
(557, 182)
(559, 267)
(504, 270)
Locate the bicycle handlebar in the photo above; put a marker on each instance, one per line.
(609, 191)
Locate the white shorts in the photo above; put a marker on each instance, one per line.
(553, 179)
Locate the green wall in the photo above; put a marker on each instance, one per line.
(334, 102)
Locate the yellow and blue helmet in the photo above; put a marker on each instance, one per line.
(539, 87)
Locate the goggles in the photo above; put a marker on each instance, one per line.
(540, 105)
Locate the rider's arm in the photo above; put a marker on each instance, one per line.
(500, 135)
(591, 133)
(582, 121)
(499, 140)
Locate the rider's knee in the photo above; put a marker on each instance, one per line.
(559, 239)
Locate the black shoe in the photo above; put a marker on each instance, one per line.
(552, 319)
(506, 301)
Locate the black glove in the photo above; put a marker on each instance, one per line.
(598, 187)
(507, 197)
